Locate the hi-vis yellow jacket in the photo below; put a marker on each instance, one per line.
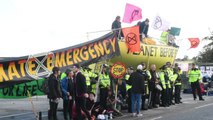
(164, 78)
(127, 78)
(194, 75)
(104, 80)
(163, 37)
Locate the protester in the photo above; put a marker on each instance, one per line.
(194, 78)
(153, 91)
(54, 93)
(67, 93)
(94, 107)
(143, 29)
(137, 81)
(111, 101)
(167, 38)
(80, 92)
(116, 27)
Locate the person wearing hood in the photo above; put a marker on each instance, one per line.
(165, 83)
(137, 79)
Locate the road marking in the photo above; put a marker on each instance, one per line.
(156, 118)
(203, 106)
(13, 115)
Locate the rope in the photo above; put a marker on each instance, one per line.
(33, 107)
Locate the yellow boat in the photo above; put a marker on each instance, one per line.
(150, 54)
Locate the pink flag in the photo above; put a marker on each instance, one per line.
(132, 13)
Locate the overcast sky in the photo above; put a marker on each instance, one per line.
(36, 26)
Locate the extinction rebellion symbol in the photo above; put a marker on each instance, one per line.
(39, 62)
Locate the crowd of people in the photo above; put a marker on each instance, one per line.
(90, 95)
(140, 89)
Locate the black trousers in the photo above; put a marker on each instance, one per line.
(165, 96)
(153, 95)
(67, 108)
(129, 100)
(103, 97)
(195, 86)
(53, 110)
(177, 93)
(81, 105)
(171, 96)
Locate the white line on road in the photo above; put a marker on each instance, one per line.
(203, 106)
(6, 116)
(156, 118)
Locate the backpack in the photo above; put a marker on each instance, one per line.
(45, 86)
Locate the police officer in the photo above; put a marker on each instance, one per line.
(104, 85)
(130, 70)
(194, 77)
(86, 71)
(164, 79)
(147, 78)
(177, 76)
(172, 81)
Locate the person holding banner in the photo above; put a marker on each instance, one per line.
(143, 29)
(116, 27)
(54, 93)
(67, 93)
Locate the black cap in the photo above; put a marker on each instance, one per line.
(163, 67)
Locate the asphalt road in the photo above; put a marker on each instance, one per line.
(190, 110)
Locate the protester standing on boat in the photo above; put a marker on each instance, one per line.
(116, 27)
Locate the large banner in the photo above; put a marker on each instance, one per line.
(33, 67)
(21, 90)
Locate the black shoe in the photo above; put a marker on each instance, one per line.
(173, 103)
(201, 99)
(155, 106)
(176, 102)
(195, 98)
(144, 109)
(180, 102)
